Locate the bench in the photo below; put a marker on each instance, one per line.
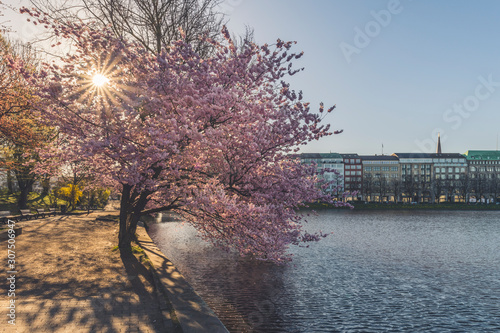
(26, 213)
(40, 213)
(6, 215)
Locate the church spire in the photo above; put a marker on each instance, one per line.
(438, 148)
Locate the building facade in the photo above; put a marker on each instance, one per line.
(381, 178)
(416, 176)
(329, 167)
(473, 177)
(353, 176)
(483, 175)
(449, 174)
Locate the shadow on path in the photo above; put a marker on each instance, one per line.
(69, 279)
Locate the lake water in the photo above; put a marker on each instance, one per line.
(380, 271)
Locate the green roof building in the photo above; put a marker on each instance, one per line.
(482, 155)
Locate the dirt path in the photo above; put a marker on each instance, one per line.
(70, 280)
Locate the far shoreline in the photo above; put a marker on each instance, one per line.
(406, 206)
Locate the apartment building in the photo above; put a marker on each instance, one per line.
(413, 177)
(381, 177)
(449, 177)
(353, 176)
(333, 163)
(483, 175)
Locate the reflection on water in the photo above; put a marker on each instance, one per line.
(379, 271)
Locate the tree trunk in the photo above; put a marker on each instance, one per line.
(25, 182)
(10, 185)
(131, 206)
(124, 238)
(22, 201)
(45, 186)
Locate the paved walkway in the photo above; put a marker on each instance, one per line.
(69, 279)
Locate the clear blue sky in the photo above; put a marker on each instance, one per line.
(429, 66)
(418, 75)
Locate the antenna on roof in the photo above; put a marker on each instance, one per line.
(438, 147)
(382, 149)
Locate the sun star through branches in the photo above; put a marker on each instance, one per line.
(99, 80)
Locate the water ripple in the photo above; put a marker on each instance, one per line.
(378, 272)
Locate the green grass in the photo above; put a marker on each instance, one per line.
(135, 249)
(138, 252)
(8, 202)
(35, 200)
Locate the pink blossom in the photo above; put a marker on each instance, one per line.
(208, 138)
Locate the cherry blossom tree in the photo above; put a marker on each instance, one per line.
(13, 87)
(21, 134)
(208, 138)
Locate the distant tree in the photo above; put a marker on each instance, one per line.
(336, 187)
(438, 188)
(410, 187)
(479, 183)
(492, 186)
(71, 194)
(396, 187)
(21, 134)
(94, 197)
(450, 189)
(368, 186)
(209, 138)
(464, 187)
(356, 187)
(383, 187)
(153, 24)
(14, 90)
(425, 187)
(495, 186)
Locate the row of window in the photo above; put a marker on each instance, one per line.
(449, 176)
(449, 160)
(380, 162)
(391, 175)
(415, 166)
(353, 173)
(353, 160)
(416, 160)
(353, 179)
(484, 162)
(353, 167)
(450, 170)
(381, 168)
(423, 178)
(484, 169)
(331, 176)
(415, 172)
(321, 169)
(330, 166)
(487, 176)
(416, 178)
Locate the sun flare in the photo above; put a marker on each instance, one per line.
(99, 80)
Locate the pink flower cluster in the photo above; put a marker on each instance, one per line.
(210, 138)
